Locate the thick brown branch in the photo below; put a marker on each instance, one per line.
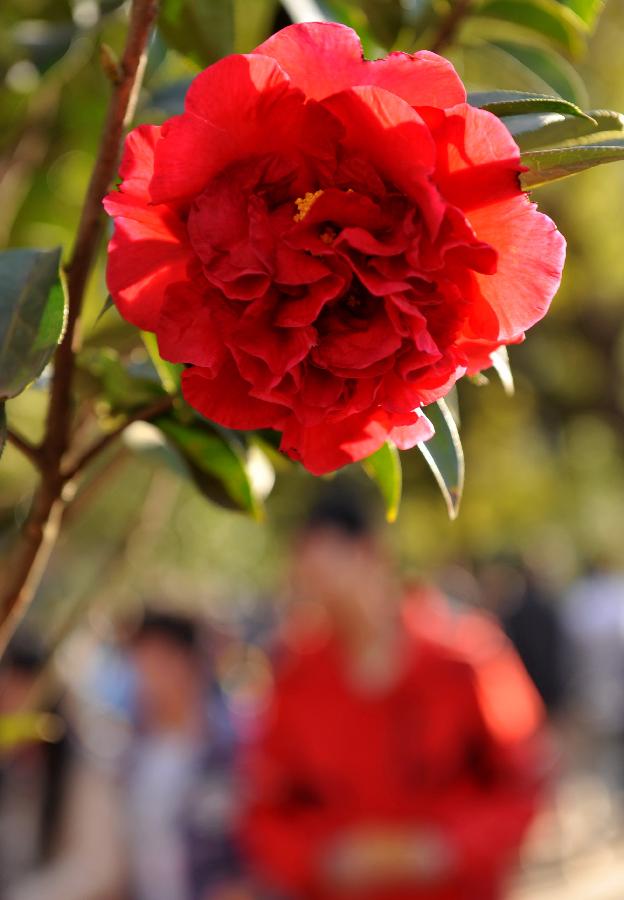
(450, 24)
(23, 574)
(27, 449)
(144, 414)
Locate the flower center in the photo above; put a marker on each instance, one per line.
(304, 204)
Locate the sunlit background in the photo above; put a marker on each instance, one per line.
(544, 469)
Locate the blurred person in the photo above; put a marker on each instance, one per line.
(59, 837)
(532, 623)
(393, 763)
(594, 621)
(180, 793)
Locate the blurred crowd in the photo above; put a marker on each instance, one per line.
(362, 739)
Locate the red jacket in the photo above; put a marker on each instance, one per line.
(454, 745)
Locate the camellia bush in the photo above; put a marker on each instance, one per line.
(313, 246)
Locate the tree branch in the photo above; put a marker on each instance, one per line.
(148, 412)
(28, 562)
(85, 248)
(450, 24)
(32, 453)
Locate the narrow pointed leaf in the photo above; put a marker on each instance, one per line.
(32, 315)
(384, 467)
(545, 129)
(545, 166)
(500, 362)
(445, 456)
(108, 304)
(516, 103)
(550, 68)
(169, 373)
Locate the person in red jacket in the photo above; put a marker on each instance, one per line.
(398, 759)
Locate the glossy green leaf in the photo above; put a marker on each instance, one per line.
(32, 315)
(217, 463)
(500, 363)
(549, 19)
(3, 427)
(548, 129)
(169, 373)
(384, 467)
(200, 29)
(445, 456)
(517, 103)
(452, 401)
(545, 166)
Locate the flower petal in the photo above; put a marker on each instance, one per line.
(407, 436)
(224, 398)
(331, 445)
(478, 172)
(238, 107)
(149, 249)
(531, 253)
(325, 58)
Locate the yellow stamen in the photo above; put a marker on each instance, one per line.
(305, 204)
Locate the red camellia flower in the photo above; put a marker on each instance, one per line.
(328, 243)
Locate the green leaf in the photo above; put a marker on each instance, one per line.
(109, 303)
(169, 373)
(3, 427)
(384, 467)
(217, 463)
(552, 165)
(32, 315)
(494, 65)
(551, 68)
(444, 455)
(500, 362)
(517, 103)
(549, 19)
(587, 10)
(123, 390)
(384, 18)
(548, 129)
(200, 29)
(253, 22)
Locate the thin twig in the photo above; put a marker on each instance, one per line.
(42, 525)
(91, 221)
(145, 414)
(32, 453)
(450, 24)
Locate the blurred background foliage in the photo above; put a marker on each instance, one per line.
(545, 469)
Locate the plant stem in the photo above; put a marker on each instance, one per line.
(27, 449)
(450, 24)
(144, 414)
(40, 530)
